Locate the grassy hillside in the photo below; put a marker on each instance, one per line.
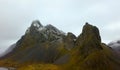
(86, 52)
(40, 67)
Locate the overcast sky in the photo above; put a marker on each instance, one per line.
(67, 15)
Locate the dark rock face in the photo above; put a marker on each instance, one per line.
(70, 41)
(89, 40)
(90, 33)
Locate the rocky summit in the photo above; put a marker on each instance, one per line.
(43, 33)
(89, 39)
(90, 53)
(48, 48)
(39, 44)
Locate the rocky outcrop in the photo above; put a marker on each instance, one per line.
(70, 40)
(89, 40)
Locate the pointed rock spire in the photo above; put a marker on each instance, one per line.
(91, 30)
(90, 33)
(89, 40)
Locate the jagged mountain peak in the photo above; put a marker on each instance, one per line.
(89, 33)
(48, 45)
(53, 29)
(37, 27)
(44, 33)
(89, 40)
(89, 29)
(36, 23)
(49, 27)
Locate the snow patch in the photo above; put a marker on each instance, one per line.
(41, 28)
(36, 24)
(46, 31)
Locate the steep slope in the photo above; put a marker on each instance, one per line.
(40, 44)
(90, 53)
(89, 40)
(47, 48)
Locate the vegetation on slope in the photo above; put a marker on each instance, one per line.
(86, 52)
(40, 67)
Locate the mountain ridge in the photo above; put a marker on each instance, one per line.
(43, 46)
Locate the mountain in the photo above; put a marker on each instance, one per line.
(115, 45)
(48, 48)
(90, 53)
(40, 43)
(89, 40)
